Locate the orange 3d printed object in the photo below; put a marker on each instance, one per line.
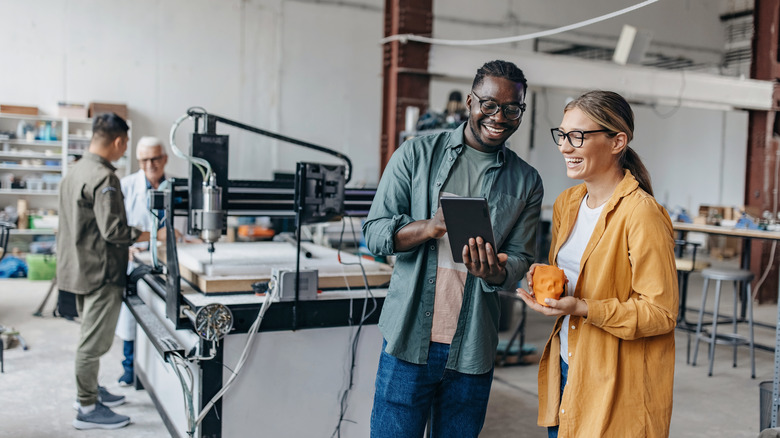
(549, 282)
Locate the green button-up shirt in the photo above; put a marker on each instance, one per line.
(408, 192)
(93, 236)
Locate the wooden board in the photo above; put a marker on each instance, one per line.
(237, 265)
(19, 109)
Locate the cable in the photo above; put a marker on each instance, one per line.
(244, 354)
(677, 105)
(199, 163)
(155, 226)
(344, 402)
(774, 243)
(766, 271)
(410, 37)
(192, 113)
(175, 360)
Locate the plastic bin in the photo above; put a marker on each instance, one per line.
(765, 399)
(44, 267)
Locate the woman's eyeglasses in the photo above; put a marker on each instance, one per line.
(576, 138)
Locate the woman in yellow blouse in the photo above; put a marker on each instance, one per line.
(608, 368)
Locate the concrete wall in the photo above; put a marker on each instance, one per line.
(312, 70)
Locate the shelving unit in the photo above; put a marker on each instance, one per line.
(41, 163)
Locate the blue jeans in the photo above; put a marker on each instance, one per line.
(552, 432)
(127, 363)
(407, 395)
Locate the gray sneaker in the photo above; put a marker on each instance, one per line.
(105, 397)
(100, 418)
(108, 399)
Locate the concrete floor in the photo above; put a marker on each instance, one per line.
(38, 386)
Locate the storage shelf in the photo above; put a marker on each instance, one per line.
(29, 117)
(29, 192)
(30, 168)
(33, 232)
(45, 158)
(30, 155)
(33, 142)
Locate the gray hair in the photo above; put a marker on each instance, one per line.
(148, 142)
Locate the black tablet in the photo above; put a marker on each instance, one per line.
(466, 218)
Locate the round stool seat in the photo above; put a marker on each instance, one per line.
(727, 274)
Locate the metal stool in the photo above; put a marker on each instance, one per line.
(733, 339)
(685, 267)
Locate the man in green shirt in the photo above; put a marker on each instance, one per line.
(440, 318)
(92, 252)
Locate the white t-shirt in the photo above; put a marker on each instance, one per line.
(570, 256)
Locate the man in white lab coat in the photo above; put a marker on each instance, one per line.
(152, 158)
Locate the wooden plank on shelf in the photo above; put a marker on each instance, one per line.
(19, 109)
(237, 266)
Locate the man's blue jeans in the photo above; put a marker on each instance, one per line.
(552, 432)
(408, 394)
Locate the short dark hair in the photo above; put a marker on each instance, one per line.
(500, 69)
(108, 126)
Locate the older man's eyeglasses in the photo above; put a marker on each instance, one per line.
(152, 160)
(490, 108)
(576, 138)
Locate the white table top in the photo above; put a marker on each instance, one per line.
(728, 231)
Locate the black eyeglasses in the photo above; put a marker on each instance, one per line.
(490, 108)
(576, 138)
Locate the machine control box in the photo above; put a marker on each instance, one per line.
(284, 282)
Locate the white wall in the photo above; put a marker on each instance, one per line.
(290, 67)
(693, 156)
(312, 70)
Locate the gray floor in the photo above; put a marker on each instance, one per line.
(38, 386)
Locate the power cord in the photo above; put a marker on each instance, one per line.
(175, 360)
(344, 401)
(529, 36)
(271, 296)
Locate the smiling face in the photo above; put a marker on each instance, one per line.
(600, 151)
(152, 160)
(488, 133)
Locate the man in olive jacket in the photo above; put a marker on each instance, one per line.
(92, 254)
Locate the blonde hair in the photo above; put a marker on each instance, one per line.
(611, 111)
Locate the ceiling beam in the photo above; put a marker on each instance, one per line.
(683, 88)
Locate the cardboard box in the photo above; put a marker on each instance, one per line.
(97, 108)
(18, 109)
(72, 111)
(720, 211)
(724, 247)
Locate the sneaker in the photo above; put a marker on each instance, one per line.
(106, 398)
(100, 418)
(127, 379)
